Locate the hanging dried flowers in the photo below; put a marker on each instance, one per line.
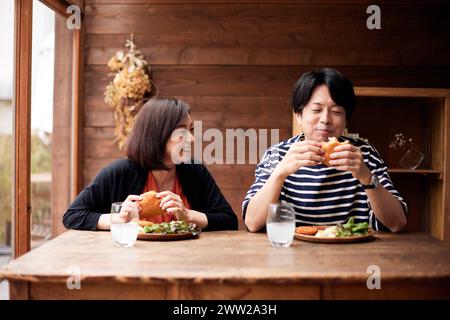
(129, 90)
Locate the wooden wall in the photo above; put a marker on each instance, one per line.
(235, 61)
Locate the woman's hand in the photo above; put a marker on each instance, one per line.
(349, 158)
(173, 204)
(300, 154)
(130, 209)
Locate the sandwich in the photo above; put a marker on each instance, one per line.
(150, 205)
(328, 148)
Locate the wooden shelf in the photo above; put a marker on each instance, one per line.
(401, 92)
(430, 172)
(422, 115)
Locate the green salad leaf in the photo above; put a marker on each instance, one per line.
(350, 228)
(172, 227)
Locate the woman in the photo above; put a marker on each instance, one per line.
(356, 184)
(158, 145)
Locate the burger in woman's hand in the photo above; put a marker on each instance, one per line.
(150, 205)
(328, 148)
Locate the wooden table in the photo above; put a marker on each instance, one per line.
(230, 265)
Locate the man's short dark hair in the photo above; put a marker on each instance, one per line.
(340, 87)
(152, 128)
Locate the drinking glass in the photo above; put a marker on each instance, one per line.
(280, 224)
(412, 159)
(124, 227)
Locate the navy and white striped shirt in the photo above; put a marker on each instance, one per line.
(322, 195)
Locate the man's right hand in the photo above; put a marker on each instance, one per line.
(300, 154)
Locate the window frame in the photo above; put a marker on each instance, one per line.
(22, 116)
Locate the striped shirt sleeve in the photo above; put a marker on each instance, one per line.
(262, 173)
(378, 168)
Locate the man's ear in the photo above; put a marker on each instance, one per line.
(296, 124)
(298, 116)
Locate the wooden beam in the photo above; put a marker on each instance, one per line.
(77, 111)
(62, 124)
(79, 3)
(402, 92)
(60, 6)
(446, 168)
(22, 125)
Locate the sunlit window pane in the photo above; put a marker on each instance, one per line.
(50, 122)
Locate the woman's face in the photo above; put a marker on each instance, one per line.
(179, 145)
(321, 117)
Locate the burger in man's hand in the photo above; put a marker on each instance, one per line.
(328, 148)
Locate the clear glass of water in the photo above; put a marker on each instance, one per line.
(280, 224)
(124, 227)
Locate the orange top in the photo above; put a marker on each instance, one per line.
(177, 189)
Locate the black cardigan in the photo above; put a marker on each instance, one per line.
(124, 177)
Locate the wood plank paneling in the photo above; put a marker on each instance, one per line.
(264, 81)
(275, 49)
(235, 196)
(99, 142)
(416, 290)
(104, 290)
(419, 19)
(233, 176)
(214, 112)
(19, 290)
(249, 292)
(335, 2)
(235, 62)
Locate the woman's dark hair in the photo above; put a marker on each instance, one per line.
(340, 87)
(153, 126)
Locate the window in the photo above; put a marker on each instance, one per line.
(47, 72)
(51, 105)
(42, 79)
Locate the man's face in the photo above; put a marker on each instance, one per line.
(321, 118)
